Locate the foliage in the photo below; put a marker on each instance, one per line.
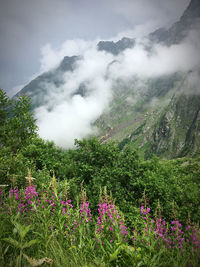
(20, 244)
(17, 130)
(126, 175)
(104, 230)
(17, 122)
(49, 229)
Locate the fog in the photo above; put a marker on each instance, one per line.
(69, 115)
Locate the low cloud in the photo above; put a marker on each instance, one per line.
(69, 115)
(191, 84)
(138, 31)
(25, 26)
(50, 58)
(162, 60)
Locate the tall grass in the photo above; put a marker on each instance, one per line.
(41, 226)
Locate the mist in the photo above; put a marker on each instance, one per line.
(162, 60)
(69, 115)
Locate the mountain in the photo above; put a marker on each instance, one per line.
(171, 127)
(116, 47)
(38, 88)
(178, 128)
(179, 30)
(163, 119)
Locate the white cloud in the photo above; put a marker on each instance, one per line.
(50, 58)
(71, 115)
(138, 31)
(68, 116)
(163, 60)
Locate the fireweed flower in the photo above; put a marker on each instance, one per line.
(110, 227)
(172, 237)
(85, 211)
(21, 208)
(193, 238)
(84, 219)
(109, 222)
(30, 193)
(143, 211)
(14, 192)
(66, 205)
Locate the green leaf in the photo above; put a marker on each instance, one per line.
(24, 231)
(13, 242)
(114, 255)
(21, 229)
(30, 243)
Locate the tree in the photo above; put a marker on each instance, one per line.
(17, 122)
(17, 129)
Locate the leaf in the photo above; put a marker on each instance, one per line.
(114, 255)
(30, 243)
(13, 242)
(39, 234)
(5, 251)
(24, 230)
(21, 229)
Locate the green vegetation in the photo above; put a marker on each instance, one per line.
(95, 205)
(160, 117)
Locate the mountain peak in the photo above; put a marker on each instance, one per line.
(179, 30)
(116, 47)
(193, 10)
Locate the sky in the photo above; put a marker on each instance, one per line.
(31, 28)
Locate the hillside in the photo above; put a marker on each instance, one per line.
(160, 118)
(165, 119)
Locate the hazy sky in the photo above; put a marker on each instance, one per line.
(26, 26)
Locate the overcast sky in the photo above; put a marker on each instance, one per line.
(26, 26)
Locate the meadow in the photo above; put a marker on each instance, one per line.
(41, 226)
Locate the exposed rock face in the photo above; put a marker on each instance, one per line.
(179, 30)
(68, 63)
(178, 132)
(116, 47)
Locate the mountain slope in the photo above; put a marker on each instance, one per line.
(162, 118)
(179, 30)
(178, 129)
(38, 89)
(170, 127)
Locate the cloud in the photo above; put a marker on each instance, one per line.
(69, 115)
(50, 58)
(163, 60)
(161, 13)
(191, 84)
(25, 26)
(138, 31)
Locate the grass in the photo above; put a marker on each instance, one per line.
(42, 227)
